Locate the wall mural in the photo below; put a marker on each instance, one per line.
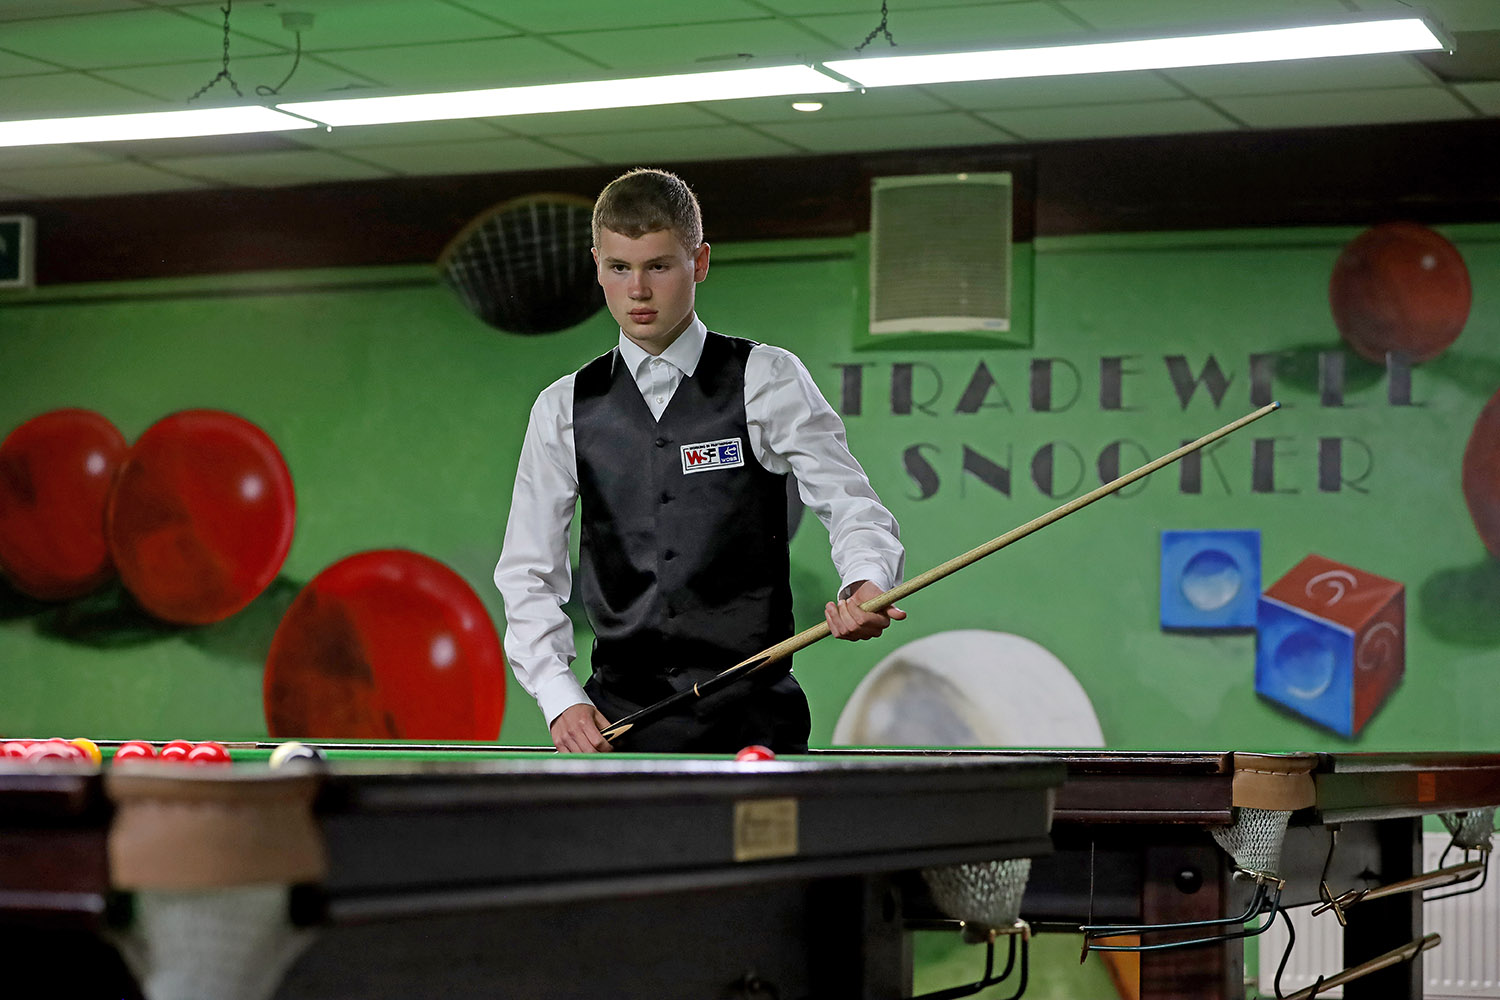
(1305, 581)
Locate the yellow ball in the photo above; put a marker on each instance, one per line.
(89, 747)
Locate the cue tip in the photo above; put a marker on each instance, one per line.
(1275, 404)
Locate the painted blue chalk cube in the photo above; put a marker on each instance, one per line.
(1209, 579)
(1330, 643)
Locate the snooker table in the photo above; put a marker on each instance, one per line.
(1132, 845)
(466, 871)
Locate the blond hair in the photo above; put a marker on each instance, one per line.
(649, 201)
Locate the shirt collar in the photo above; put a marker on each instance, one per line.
(684, 353)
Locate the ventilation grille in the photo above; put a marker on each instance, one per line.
(940, 254)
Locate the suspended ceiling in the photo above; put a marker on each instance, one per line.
(79, 57)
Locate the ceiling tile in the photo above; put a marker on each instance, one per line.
(720, 142)
(25, 157)
(277, 169)
(20, 66)
(20, 10)
(1454, 15)
(799, 8)
(352, 24)
(106, 179)
(972, 26)
(121, 38)
(177, 82)
(1347, 73)
(897, 132)
(1352, 107)
(693, 47)
(1485, 96)
(489, 157)
(163, 151)
(67, 95)
(869, 104)
(1100, 88)
(405, 134)
(1126, 17)
(1101, 120)
(571, 15)
(660, 118)
(476, 65)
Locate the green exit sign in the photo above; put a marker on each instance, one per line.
(17, 251)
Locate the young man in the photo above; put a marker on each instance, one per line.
(676, 445)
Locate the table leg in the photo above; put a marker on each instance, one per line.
(1189, 882)
(1376, 926)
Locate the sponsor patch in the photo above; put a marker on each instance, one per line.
(707, 456)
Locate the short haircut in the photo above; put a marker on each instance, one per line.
(649, 201)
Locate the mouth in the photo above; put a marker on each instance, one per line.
(643, 315)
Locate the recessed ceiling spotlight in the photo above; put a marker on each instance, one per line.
(807, 105)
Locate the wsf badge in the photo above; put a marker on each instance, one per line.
(710, 455)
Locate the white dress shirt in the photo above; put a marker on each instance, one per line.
(792, 429)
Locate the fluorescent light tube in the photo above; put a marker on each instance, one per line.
(148, 125)
(1317, 41)
(770, 81)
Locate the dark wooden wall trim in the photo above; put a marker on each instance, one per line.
(1433, 173)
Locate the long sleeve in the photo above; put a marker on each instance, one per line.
(793, 428)
(533, 574)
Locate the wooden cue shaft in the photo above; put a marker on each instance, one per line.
(880, 602)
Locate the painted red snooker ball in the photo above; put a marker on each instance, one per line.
(176, 750)
(56, 471)
(386, 644)
(208, 752)
(201, 516)
(135, 750)
(1400, 287)
(755, 752)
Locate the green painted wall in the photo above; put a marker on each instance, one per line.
(401, 416)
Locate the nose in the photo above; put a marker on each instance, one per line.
(637, 287)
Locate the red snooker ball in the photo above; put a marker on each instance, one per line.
(1399, 287)
(201, 516)
(208, 752)
(387, 644)
(755, 752)
(1481, 475)
(56, 470)
(135, 750)
(176, 750)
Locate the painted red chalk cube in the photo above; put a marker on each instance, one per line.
(1331, 642)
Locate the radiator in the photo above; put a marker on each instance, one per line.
(1465, 965)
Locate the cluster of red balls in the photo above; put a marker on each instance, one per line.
(180, 751)
(195, 517)
(53, 749)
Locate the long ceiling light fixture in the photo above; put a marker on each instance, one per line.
(1349, 38)
(148, 125)
(1361, 37)
(723, 85)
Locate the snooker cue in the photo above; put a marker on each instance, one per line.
(882, 601)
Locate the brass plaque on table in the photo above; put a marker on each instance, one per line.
(765, 828)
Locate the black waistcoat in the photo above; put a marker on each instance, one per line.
(681, 570)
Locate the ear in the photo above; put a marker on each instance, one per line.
(700, 262)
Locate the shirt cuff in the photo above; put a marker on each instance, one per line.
(560, 694)
(858, 574)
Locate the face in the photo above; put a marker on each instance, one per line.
(649, 284)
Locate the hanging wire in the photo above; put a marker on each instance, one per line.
(880, 29)
(223, 73)
(265, 91)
